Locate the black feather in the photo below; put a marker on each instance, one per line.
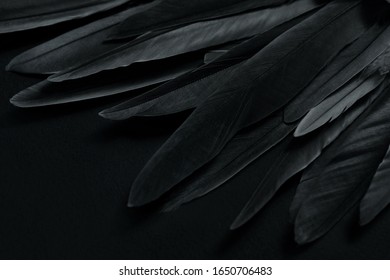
(17, 15)
(344, 67)
(189, 38)
(332, 107)
(76, 46)
(242, 150)
(189, 90)
(338, 179)
(168, 14)
(110, 83)
(296, 155)
(378, 194)
(250, 98)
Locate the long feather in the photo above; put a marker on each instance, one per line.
(343, 68)
(332, 107)
(338, 179)
(110, 83)
(238, 104)
(302, 193)
(76, 46)
(296, 156)
(241, 151)
(189, 90)
(189, 38)
(377, 197)
(25, 14)
(167, 14)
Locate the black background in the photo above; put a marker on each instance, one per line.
(66, 174)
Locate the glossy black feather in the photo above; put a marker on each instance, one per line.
(189, 90)
(241, 151)
(340, 101)
(110, 83)
(338, 179)
(189, 38)
(302, 193)
(168, 14)
(296, 155)
(17, 15)
(377, 197)
(76, 46)
(249, 98)
(344, 67)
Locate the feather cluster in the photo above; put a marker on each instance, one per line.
(288, 87)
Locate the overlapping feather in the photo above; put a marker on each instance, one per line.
(113, 82)
(191, 89)
(270, 67)
(168, 14)
(25, 14)
(73, 47)
(329, 191)
(189, 38)
(378, 194)
(235, 105)
(241, 151)
(295, 156)
(346, 65)
(332, 107)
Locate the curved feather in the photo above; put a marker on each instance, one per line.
(377, 197)
(189, 38)
(25, 14)
(78, 45)
(241, 151)
(295, 157)
(249, 98)
(302, 193)
(179, 100)
(112, 82)
(332, 107)
(338, 179)
(187, 91)
(343, 68)
(167, 14)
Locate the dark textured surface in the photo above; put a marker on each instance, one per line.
(66, 174)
